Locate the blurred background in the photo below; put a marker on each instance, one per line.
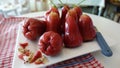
(106, 8)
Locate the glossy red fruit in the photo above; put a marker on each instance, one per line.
(73, 13)
(86, 27)
(52, 9)
(78, 10)
(53, 22)
(33, 28)
(65, 9)
(72, 37)
(50, 43)
(36, 56)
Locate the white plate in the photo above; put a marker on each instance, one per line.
(65, 54)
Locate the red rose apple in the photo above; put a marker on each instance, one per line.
(86, 27)
(72, 37)
(33, 28)
(50, 43)
(53, 22)
(65, 9)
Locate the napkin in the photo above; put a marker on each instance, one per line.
(8, 34)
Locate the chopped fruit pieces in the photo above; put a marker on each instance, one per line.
(36, 56)
(38, 61)
(29, 57)
(27, 52)
(24, 51)
(21, 50)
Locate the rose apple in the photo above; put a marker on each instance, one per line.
(33, 28)
(86, 27)
(50, 43)
(72, 37)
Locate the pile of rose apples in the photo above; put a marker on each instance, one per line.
(69, 29)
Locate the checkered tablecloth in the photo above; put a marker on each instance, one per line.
(8, 34)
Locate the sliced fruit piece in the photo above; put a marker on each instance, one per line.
(23, 45)
(36, 56)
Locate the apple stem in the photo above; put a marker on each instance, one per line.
(52, 3)
(80, 2)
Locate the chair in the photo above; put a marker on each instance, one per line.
(5, 9)
(24, 6)
(111, 10)
(116, 3)
(117, 17)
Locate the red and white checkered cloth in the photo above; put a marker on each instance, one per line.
(8, 33)
(1, 17)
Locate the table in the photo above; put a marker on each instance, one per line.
(95, 3)
(6, 8)
(109, 62)
(113, 28)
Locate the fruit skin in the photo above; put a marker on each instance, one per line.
(72, 13)
(72, 37)
(53, 22)
(78, 10)
(33, 28)
(86, 28)
(65, 9)
(50, 43)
